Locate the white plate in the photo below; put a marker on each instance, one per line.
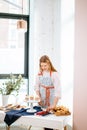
(31, 110)
(32, 101)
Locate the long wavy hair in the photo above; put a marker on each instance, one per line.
(46, 59)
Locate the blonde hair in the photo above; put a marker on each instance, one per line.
(46, 59)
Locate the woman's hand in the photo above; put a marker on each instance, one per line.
(41, 103)
(50, 108)
(56, 99)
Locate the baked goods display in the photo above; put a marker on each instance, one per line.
(36, 98)
(31, 98)
(61, 110)
(1, 108)
(26, 97)
(12, 106)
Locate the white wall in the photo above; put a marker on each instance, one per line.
(44, 35)
(80, 68)
(67, 51)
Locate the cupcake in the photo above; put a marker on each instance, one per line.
(31, 97)
(26, 97)
(37, 98)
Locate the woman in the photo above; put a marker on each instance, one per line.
(47, 85)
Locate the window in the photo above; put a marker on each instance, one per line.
(13, 47)
(13, 44)
(14, 6)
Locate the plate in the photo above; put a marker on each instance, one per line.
(31, 110)
(32, 101)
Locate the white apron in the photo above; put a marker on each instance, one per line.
(46, 90)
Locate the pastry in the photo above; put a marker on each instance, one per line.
(37, 98)
(61, 110)
(31, 97)
(26, 97)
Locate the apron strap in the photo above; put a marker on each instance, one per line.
(47, 90)
(41, 73)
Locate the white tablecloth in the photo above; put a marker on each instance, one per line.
(49, 121)
(2, 115)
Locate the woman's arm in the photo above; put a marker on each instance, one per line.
(56, 99)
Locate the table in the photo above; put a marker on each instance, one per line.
(49, 121)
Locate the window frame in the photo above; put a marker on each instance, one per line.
(26, 51)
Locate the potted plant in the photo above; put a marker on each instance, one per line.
(11, 85)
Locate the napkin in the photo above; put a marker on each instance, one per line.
(12, 115)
